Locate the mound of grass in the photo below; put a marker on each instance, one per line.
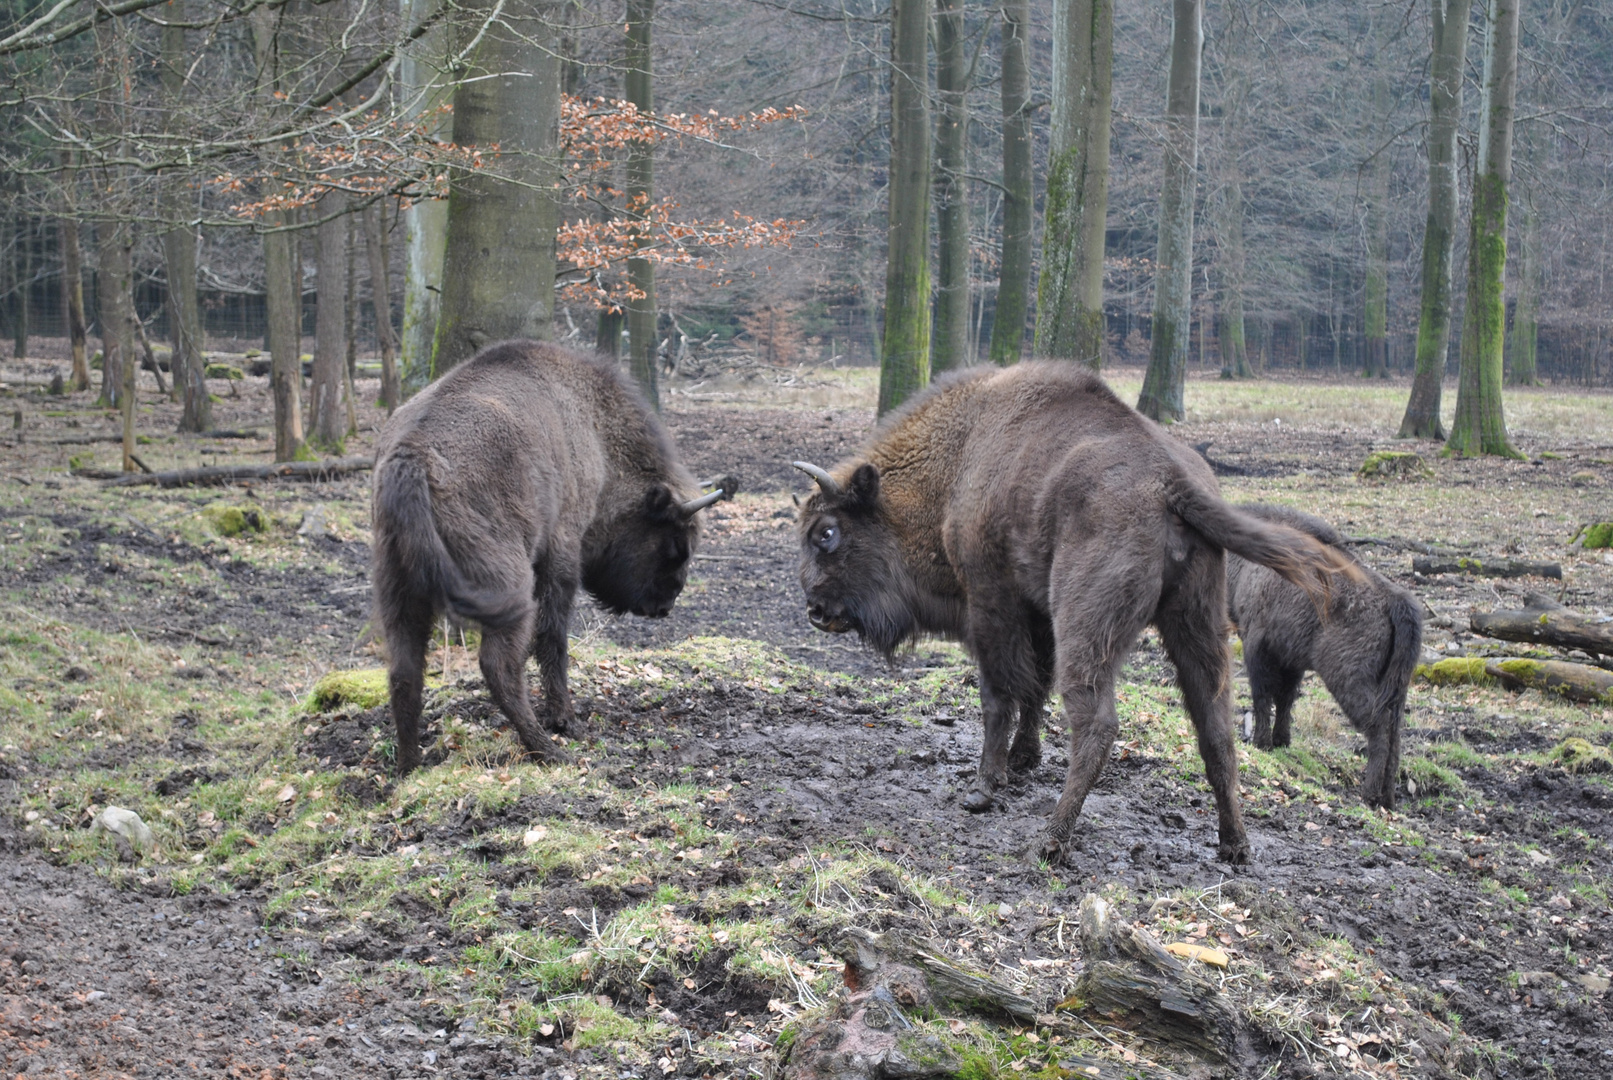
(224, 371)
(1431, 779)
(364, 687)
(1579, 755)
(1400, 465)
(232, 520)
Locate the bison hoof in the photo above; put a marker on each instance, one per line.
(1025, 761)
(1051, 851)
(978, 802)
(1235, 852)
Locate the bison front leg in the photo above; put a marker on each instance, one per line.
(504, 653)
(997, 711)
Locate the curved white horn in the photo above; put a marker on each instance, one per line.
(825, 481)
(694, 506)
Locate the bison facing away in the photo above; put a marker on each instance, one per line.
(1032, 515)
(1365, 649)
(519, 475)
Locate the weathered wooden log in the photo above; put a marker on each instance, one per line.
(1543, 621)
(1577, 682)
(949, 985)
(1485, 567)
(1129, 976)
(224, 474)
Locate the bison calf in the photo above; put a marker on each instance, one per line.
(1032, 515)
(1365, 650)
(524, 472)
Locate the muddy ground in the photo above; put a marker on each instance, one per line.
(747, 784)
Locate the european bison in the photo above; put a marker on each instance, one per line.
(1032, 515)
(498, 489)
(1365, 650)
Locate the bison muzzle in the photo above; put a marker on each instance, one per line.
(523, 473)
(1032, 515)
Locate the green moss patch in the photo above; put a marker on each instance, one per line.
(1455, 671)
(364, 687)
(233, 520)
(1597, 534)
(224, 371)
(1400, 465)
(1581, 755)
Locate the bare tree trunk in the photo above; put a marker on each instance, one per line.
(188, 363)
(73, 296)
(1480, 426)
(325, 419)
(1161, 397)
(350, 327)
(640, 197)
(949, 344)
(425, 222)
(1521, 340)
(1375, 317)
(1230, 325)
(498, 269)
(608, 334)
(1014, 274)
(1422, 419)
(282, 274)
(375, 233)
(904, 367)
(1069, 298)
(25, 275)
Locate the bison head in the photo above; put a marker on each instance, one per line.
(637, 561)
(851, 566)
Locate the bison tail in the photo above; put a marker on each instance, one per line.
(1404, 649)
(410, 555)
(1300, 558)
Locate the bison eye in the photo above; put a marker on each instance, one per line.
(828, 538)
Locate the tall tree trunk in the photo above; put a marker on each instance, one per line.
(350, 326)
(949, 344)
(375, 243)
(1375, 317)
(498, 268)
(1069, 298)
(1230, 328)
(1422, 420)
(1480, 426)
(25, 276)
(326, 428)
(904, 366)
(282, 271)
(640, 197)
(608, 333)
(1526, 311)
(1014, 274)
(425, 222)
(1163, 384)
(73, 297)
(188, 363)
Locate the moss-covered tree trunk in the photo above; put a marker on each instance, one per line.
(949, 344)
(641, 308)
(1014, 270)
(1069, 296)
(498, 266)
(904, 366)
(426, 87)
(327, 425)
(1161, 397)
(1422, 419)
(1525, 332)
(1480, 426)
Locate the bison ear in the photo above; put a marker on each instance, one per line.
(863, 490)
(660, 504)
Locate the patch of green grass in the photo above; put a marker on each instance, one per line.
(1432, 779)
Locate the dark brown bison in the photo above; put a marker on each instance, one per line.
(524, 472)
(1030, 514)
(1365, 650)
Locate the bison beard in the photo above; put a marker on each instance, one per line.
(524, 472)
(1032, 515)
(1366, 651)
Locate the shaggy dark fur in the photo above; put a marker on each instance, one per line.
(524, 472)
(1032, 515)
(1365, 650)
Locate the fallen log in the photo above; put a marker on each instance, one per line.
(1543, 621)
(225, 474)
(1577, 682)
(1470, 564)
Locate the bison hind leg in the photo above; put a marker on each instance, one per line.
(1380, 785)
(503, 658)
(406, 628)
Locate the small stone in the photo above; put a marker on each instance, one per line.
(314, 523)
(1540, 858)
(1595, 984)
(1005, 911)
(126, 824)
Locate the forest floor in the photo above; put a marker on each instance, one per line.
(747, 786)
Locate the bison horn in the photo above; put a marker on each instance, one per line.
(694, 506)
(825, 481)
